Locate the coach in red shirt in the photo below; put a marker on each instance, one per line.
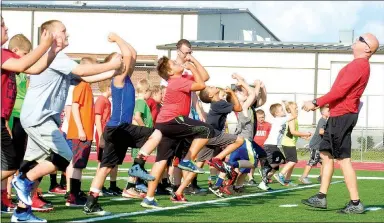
(343, 100)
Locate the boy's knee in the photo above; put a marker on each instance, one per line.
(156, 135)
(324, 155)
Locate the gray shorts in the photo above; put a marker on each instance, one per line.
(44, 139)
(215, 145)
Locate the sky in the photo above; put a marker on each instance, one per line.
(292, 21)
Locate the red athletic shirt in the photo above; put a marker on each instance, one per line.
(154, 108)
(8, 85)
(177, 100)
(347, 89)
(262, 133)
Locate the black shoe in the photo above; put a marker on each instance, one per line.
(115, 191)
(352, 209)
(105, 192)
(239, 190)
(92, 207)
(82, 196)
(66, 195)
(315, 202)
(191, 190)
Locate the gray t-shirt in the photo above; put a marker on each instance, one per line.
(316, 138)
(245, 126)
(47, 92)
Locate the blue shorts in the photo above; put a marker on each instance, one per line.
(69, 141)
(244, 152)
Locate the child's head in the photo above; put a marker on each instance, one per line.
(277, 110)
(325, 111)
(156, 93)
(209, 94)
(57, 28)
(183, 49)
(260, 116)
(88, 60)
(4, 32)
(167, 68)
(20, 45)
(291, 105)
(105, 86)
(142, 88)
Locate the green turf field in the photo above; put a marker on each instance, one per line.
(257, 207)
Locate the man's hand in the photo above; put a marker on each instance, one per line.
(188, 66)
(308, 106)
(229, 90)
(112, 37)
(116, 61)
(190, 58)
(82, 136)
(257, 83)
(58, 45)
(262, 84)
(46, 38)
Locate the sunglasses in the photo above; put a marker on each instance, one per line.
(361, 39)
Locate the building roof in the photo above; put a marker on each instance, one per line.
(268, 46)
(124, 8)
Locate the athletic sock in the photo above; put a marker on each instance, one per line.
(21, 210)
(53, 180)
(112, 184)
(140, 160)
(63, 180)
(94, 192)
(321, 195)
(219, 182)
(150, 198)
(23, 176)
(355, 202)
(75, 186)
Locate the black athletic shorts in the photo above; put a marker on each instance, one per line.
(290, 153)
(9, 158)
(118, 139)
(274, 155)
(178, 129)
(337, 135)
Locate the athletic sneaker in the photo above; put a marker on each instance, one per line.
(193, 190)
(216, 191)
(6, 204)
(352, 209)
(133, 193)
(220, 166)
(39, 204)
(92, 207)
(315, 202)
(137, 171)
(289, 183)
(23, 189)
(176, 198)
(115, 191)
(57, 190)
(105, 192)
(280, 178)
(26, 217)
(75, 201)
(305, 180)
(227, 189)
(149, 204)
(263, 186)
(142, 188)
(239, 190)
(233, 178)
(251, 183)
(190, 166)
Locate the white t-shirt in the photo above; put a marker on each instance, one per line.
(68, 101)
(278, 126)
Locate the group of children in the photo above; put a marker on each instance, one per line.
(51, 127)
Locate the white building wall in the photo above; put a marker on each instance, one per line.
(18, 22)
(190, 27)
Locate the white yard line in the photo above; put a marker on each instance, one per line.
(190, 204)
(256, 174)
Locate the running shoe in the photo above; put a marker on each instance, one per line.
(27, 216)
(149, 204)
(137, 171)
(315, 202)
(176, 198)
(190, 166)
(350, 208)
(23, 189)
(92, 207)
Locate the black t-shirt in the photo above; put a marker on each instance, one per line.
(217, 115)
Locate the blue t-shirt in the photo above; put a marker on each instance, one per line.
(123, 103)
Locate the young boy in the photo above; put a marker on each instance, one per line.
(80, 132)
(102, 116)
(288, 143)
(174, 124)
(142, 117)
(278, 126)
(119, 133)
(314, 146)
(17, 60)
(47, 149)
(154, 102)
